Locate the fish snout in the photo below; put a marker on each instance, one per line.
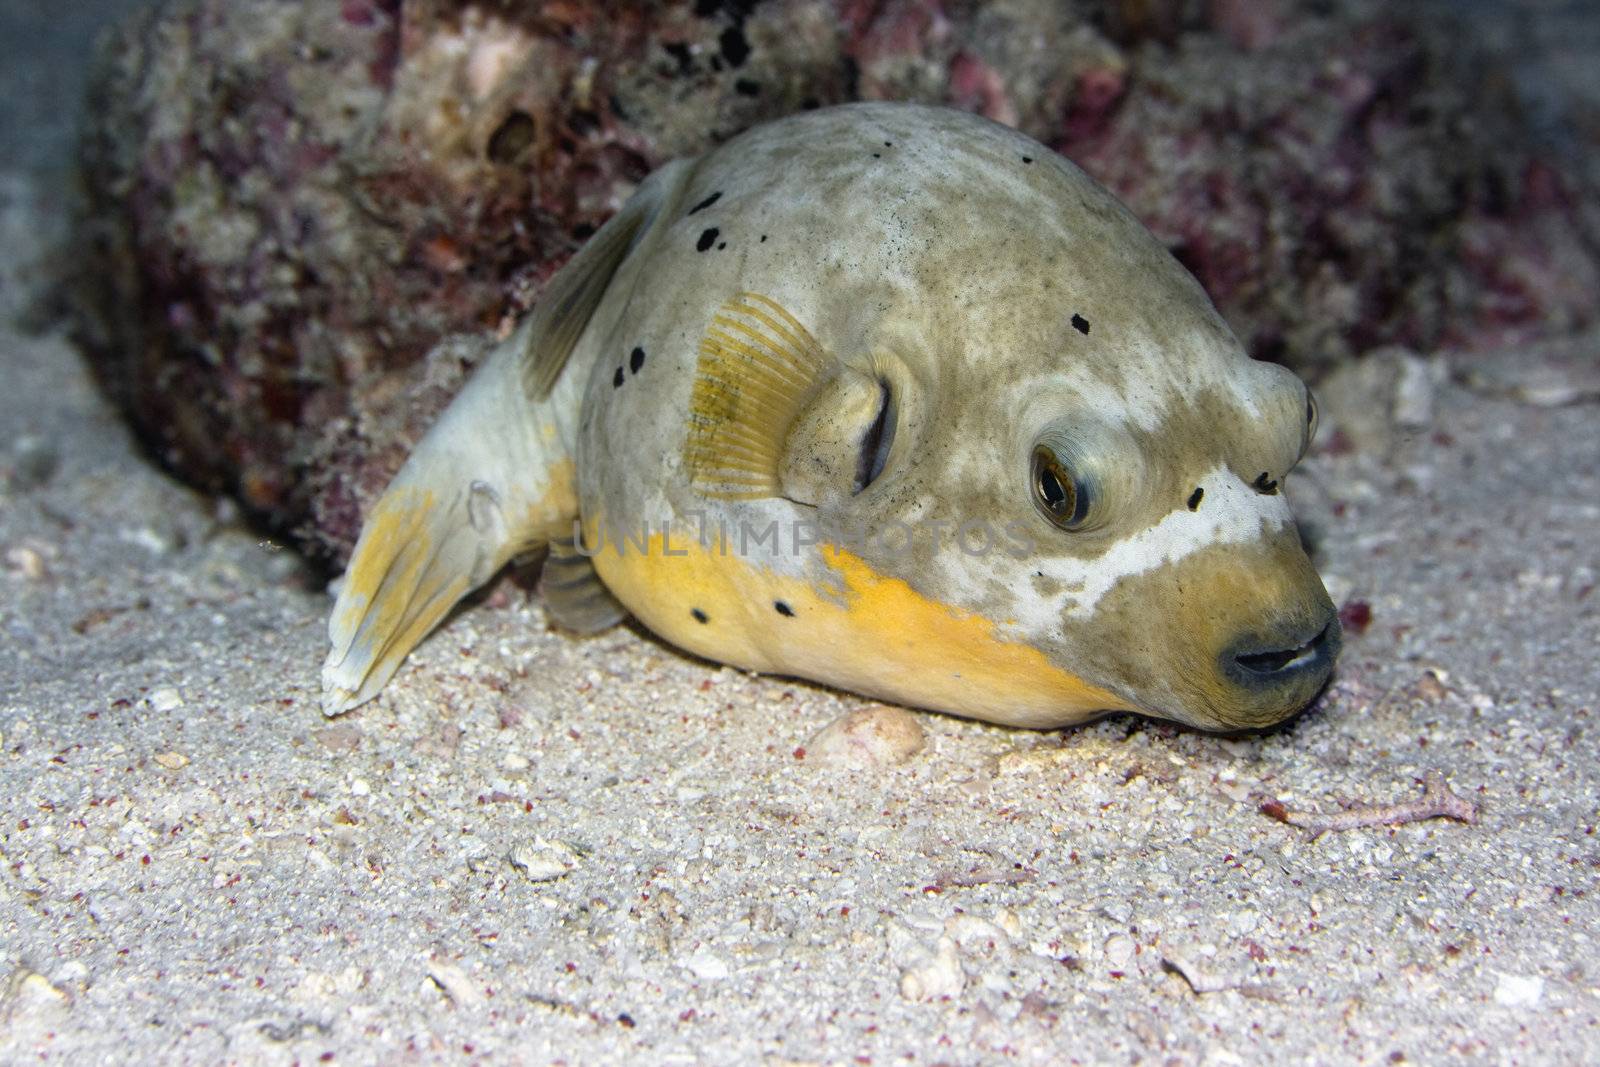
(1234, 636)
(1281, 668)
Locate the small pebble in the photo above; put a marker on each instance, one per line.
(1413, 392)
(33, 463)
(455, 984)
(1355, 616)
(165, 699)
(343, 737)
(544, 861)
(707, 965)
(172, 761)
(147, 538)
(935, 977)
(73, 973)
(36, 990)
(1519, 991)
(26, 562)
(876, 736)
(1430, 687)
(1119, 951)
(1201, 979)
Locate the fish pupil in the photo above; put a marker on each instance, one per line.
(1063, 498)
(1051, 489)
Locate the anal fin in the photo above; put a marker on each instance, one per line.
(574, 594)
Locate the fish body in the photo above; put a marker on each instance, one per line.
(889, 397)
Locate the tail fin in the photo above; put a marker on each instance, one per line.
(494, 477)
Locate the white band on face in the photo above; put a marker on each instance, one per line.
(1231, 513)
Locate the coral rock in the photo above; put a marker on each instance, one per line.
(305, 221)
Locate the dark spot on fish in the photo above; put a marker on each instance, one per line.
(707, 239)
(747, 87)
(783, 609)
(763, 238)
(699, 616)
(707, 202)
(1027, 159)
(1080, 324)
(616, 379)
(636, 360)
(721, 245)
(1265, 484)
(888, 144)
(681, 53)
(1195, 498)
(735, 49)
(877, 155)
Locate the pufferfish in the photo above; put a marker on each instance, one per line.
(888, 397)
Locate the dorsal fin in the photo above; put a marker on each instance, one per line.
(564, 309)
(758, 369)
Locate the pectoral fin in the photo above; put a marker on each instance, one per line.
(773, 413)
(758, 370)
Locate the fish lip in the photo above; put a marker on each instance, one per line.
(1261, 665)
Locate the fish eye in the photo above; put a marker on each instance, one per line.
(1063, 497)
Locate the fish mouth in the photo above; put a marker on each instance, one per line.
(1264, 665)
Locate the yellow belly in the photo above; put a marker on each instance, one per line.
(865, 632)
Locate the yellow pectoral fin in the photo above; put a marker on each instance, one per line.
(758, 368)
